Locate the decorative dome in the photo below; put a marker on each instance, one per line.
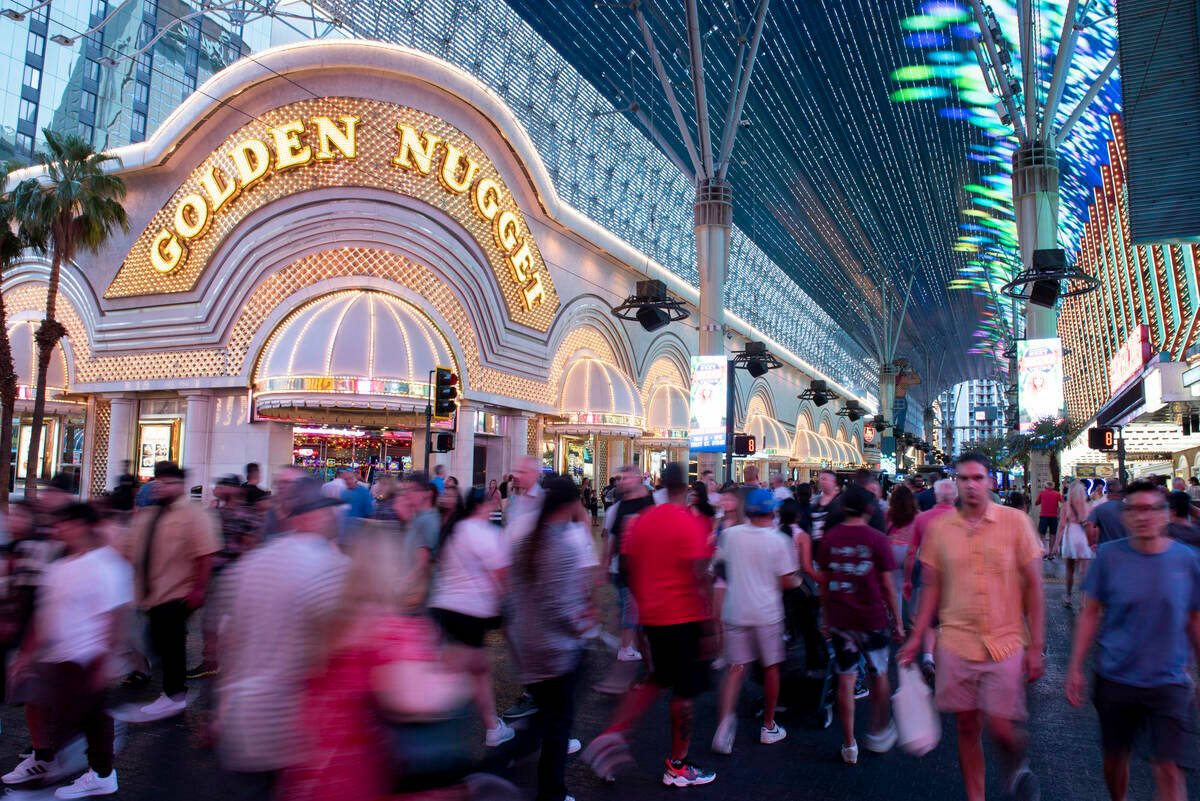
(597, 398)
(355, 350)
(771, 438)
(667, 416)
(813, 448)
(24, 352)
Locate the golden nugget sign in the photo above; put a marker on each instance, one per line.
(315, 144)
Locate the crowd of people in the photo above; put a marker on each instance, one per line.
(344, 631)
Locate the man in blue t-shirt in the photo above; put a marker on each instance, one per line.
(1143, 602)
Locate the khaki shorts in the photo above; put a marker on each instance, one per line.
(746, 644)
(995, 688)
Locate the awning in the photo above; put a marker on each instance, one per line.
(811, 448)
(597, 398)
(666, 418)
(772, 441)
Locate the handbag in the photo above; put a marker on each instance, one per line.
(917, 722)
(428, 755)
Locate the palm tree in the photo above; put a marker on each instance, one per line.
(1047, 435)
(13, 241)
(75, 203)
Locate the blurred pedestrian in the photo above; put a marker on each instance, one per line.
(82, 601)
(667, 553)
(470, 578)
(758, 565)
(1142, 610)
(171, 547)
(370, 669)
(992, 632)
(273, 603)
(550, 606)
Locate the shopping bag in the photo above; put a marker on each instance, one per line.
(917, 721)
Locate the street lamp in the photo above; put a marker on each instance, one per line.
(756, 360)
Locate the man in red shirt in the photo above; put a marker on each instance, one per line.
(665, 554)
(1048, 500)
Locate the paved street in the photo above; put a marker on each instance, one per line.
(162, 761)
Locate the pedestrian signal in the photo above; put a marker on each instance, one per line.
(744, 445)
(1103, 438)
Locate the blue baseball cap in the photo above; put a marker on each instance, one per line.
(761, 502)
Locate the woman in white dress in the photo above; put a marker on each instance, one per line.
(1072, 537)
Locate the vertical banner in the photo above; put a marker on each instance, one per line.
(706, 429)
(1039, 381)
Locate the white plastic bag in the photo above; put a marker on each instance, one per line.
(917, 720)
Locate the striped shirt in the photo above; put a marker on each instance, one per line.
(272, 598)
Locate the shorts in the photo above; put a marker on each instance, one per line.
(995, 688)
(465, 629)
(746, 644)
(629, 616)
(675, 661)
(849, 645)
(1047, 525)
(1167, 711)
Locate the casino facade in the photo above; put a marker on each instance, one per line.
(311, 233)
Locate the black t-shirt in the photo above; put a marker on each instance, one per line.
(836, 515)
(253, 493)
(627, 508)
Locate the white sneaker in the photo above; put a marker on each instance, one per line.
(882, 742)
(502, 733)
(89, 784)
(628, 654)
(772, 735)
(573, 746)
(163, 707)
(33, 769)
(723, 740)
(850, 755)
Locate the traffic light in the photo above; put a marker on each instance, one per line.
(744, 444)
(445, 390)
(443, 442)
(1102, 438)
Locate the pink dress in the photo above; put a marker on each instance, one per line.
(345, 755)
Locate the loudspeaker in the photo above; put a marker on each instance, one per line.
(756, 368)
(1044, 293)
(652, 318)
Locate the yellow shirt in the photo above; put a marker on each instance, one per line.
(982, 609)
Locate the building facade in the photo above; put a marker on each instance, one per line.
(970, 412)
(1142, 287)
(298, 262)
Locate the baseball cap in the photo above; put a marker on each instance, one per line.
(761, 501)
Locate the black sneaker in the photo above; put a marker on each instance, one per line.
(523, 708)
(685, 774)
(1024, 785)
(203, 670)
(860, 690)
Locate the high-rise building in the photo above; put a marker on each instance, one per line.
(970, 412)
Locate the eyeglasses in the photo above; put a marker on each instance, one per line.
(1137, 508)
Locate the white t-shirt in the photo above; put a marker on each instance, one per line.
(782, 493)
(754, 558)
(76, 595)
(465, 564)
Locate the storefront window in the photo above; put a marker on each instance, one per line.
(158, 441)
(326, 451)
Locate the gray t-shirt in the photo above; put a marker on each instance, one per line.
(1107, 517)
(423, 532)
(549, 610)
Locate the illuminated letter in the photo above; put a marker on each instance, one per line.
(522, 263)
(411, 147)
(250, 173)
(450, 171)
(191, 224)
(507, 230)
(289, 151)
(487, 199)
(534, 294)
(165, 251)
(217, 194)
(328, 134)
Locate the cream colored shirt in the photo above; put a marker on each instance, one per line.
(982, 609)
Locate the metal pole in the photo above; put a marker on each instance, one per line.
(1086, 100)
(1009, 103)
(1121, 455)
(696, 46)
(428, 422)
(670, 92)
(730, 377)
(1062, 62)
(743, 88)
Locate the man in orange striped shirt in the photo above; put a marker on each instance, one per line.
(981, 576)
